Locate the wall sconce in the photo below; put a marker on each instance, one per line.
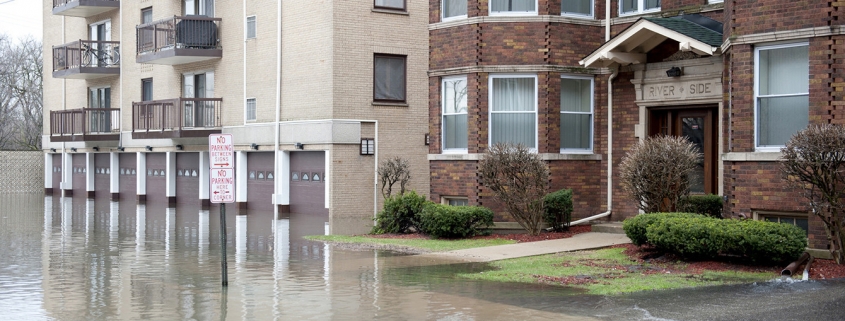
(298, 146)
(120, 148)
(148, 148)
(96, 148)
(674, 72)
(52, 150)
(179, 147)
(368, 146)
(254, 146)
(427, 137)
(73, 149)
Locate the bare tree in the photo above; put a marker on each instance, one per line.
(519, 179)
(21, 103)
(656, 172)
(814, 163)
(391, 171)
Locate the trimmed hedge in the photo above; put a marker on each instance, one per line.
(635, 227)
(399, 214)
(444, 221)
(558, 209)
(710, 205)
(698, 236)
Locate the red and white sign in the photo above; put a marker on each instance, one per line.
(221, 151)
(222, 185)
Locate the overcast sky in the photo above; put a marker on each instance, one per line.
(19, 18)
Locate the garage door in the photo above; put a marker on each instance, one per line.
(259, 182)
(156, 182)
(128, 180)
(308, 182)
(187, 178)
(102, 171)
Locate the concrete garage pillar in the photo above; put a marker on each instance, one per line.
(281, 198)
(90, 169)
(114, 176)
(240, 180)
(67, 174)
(205, 200)
(141, 178)
(170, 178)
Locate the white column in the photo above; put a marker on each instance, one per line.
(48, 170)
(89, 174)
(240, 239)
(328, 178)
(240, 177)
(204, 176)
(170, 175)
(141, 177)
(283, 180)
(67, 171)
(114, 173)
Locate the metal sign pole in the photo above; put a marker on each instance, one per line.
(224, 269)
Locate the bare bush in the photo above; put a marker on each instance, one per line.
(519, 179)
(814, 163)
(391, 171)
(657, 172)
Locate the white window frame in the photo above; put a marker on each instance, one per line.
(512, 13)
(246, 110)
(490, 107)
(715, 1)
(640, 10)
(445, 200)
(592, 13)
(444, 114)
(254, 27)
(770, 148)
(444, 19)
(592, 114)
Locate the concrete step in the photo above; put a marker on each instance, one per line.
(612, 227)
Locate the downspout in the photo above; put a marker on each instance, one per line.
(64, 107)
(278, 112)
(375, 174)
(607, 20)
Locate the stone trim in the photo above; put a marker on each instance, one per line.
(505, 19)
(543, 156)
(796, 34)
(752, 157)
(518, 69)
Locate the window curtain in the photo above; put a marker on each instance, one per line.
(584, 7)
(455, 113)
(652, 4)
(512, 5)
(513, 117)
(400, 4)
(783, 95)
(576, 118)
(389, 78)
(629, 5)
(454, 8)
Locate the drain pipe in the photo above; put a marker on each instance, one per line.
(278, 113)
(806, 275)
(609, 151)
(790, 269)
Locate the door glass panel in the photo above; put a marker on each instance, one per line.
(693, 129)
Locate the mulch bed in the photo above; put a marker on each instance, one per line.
(819, 269)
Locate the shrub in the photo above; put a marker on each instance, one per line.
(400, 213)
(444, 221)
(710, 205)
(698, 236)
(391, 171)
(656, 172)
(558, 209)
(635, 227)
(519, 179)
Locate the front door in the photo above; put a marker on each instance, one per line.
(700, 126)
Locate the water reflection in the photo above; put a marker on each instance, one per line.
(72, 258)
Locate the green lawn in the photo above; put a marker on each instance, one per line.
(428, 245)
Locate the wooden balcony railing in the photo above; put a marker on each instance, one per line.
(84, 122)
(86, 53)
(180, 114)
(195, 32)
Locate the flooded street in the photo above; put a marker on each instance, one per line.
(73, 258)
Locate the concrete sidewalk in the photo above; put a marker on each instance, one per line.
(585, 241)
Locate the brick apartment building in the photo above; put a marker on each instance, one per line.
(736, 77)
(313, 98)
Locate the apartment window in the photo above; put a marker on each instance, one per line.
(454, 9)
(454, 113)
(198, 112)
(455, 201)
(368, 146)
(513, 112)
(198, 7)
(798, 220)
(389, 78)
(250, 109)
(782, 74)
(638, 6)
(390, 4)
(146, 89)
(513, 7)
(250, 27)
(577, 7)
(576, 114)
(146, 15)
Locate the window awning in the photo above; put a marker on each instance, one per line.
(631, 45)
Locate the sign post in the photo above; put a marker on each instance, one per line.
(221, 154)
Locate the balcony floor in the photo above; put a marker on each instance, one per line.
(86, 72)
(85, 138)
(185, 133)
(178, 56)
(86, 8)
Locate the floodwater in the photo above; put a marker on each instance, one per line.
(79, 259)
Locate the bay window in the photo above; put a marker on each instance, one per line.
(576, 114)
(782, 86)
(454, 95)
(513, 110)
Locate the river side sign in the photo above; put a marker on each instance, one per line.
(221, 154)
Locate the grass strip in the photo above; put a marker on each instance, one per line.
(427, 245)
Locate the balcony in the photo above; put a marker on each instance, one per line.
(85, 59)
(83, 8)
(178, 40)
(85, 124)
(176, 118)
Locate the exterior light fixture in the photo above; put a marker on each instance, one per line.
(298, 146)
(179, 147)
(120, 148)
(254, 146)
(73, 149)
(148, 148)
(52, 150)
(674, 72)
(96, 148)
(427, 139)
